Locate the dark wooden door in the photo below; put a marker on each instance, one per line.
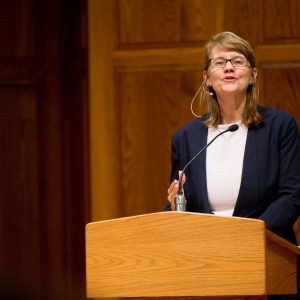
(43, 161)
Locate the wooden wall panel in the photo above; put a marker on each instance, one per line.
(19, 205)
(146, 127)
(281, 88)
(104, 115)
(19, 40)
(243, 18)
(163, 22)
(19, 169)
(195, 17)
(281, 22)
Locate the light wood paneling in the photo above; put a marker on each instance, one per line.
(278, 54)
(138, 26)
(281, 22)
(164, 103)
(174, 58)
(243, 18)
(281, 88)
(161, 23)
(158, 58)
(156, 61)
(104, 113)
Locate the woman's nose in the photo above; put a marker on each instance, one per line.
(228, 65)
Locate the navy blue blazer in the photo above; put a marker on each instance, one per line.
(270, 183)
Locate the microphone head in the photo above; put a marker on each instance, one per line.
(233, 127)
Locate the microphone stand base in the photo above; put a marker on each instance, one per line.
(180, 203)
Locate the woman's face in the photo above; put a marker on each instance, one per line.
(229, 77)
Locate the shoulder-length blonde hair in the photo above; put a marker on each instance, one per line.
(209, 103)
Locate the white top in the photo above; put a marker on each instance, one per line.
(224, 165)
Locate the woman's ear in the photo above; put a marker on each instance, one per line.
(206, 78)
(254, 75)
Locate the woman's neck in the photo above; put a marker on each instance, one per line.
(231, 108)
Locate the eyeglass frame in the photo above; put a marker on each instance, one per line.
(227, 60)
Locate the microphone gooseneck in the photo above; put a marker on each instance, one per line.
(180, 200)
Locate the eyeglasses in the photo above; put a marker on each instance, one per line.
(220, 62)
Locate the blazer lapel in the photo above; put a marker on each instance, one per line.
(198, 170)
(248, 199)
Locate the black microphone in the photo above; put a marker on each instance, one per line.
(180, 201)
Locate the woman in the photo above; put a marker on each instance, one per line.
(253, 172)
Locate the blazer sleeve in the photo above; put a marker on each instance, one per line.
(284, 211)
(175, 164)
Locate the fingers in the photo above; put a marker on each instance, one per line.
(172, 191)
(183, 177)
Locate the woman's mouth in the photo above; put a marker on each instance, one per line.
(229, 78)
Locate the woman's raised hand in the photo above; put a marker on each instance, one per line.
(173, 189)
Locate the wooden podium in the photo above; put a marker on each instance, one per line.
(181, 254)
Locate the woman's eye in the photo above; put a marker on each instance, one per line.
(219, 62)
(238, 61)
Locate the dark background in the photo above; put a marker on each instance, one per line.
(44, 195)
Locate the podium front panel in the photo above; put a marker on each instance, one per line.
(176, 254)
